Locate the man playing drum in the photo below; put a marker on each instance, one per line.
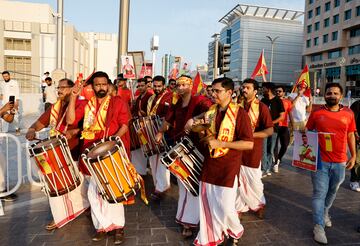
(158, 104)
(178, 116)
(251, 190)
(54, 117)
(103, 116)
(229, 134)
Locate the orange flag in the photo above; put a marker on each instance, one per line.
(198, 84)
(261, 68)
(304, 80)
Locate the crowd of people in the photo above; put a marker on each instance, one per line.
(244, 141)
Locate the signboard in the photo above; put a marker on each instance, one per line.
(146, 70)
(138, 57)
(305, 153)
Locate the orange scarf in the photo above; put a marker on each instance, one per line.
(54, 122)
(152, 111)
(94, 122)
(227, 127)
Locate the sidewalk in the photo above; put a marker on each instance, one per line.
(287, 220)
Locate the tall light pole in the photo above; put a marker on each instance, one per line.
(123, 31)
(216, 53)
(59, 34)
(272, 40)
(154, 46)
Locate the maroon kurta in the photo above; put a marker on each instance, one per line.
(164, 104)
(74, 142)
(140, 104)
(223, 170)
(177, 115)
(252, 158)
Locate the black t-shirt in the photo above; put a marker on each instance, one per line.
(276, 107)
(355, 107)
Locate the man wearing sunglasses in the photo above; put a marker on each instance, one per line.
(55, 118)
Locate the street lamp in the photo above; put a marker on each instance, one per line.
(272, 40)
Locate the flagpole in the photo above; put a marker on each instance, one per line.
(272, 40)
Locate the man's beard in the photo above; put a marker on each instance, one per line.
(100, 93)
(6, 80)
(331, 101)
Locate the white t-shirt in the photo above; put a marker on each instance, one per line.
(299, 110)
(8, 89)
(51, 94)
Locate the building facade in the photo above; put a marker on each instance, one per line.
(248, 30)
(332, 42)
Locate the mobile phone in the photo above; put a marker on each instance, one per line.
(12, 99)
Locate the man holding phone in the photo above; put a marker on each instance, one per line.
(10, 93)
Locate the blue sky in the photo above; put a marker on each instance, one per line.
(184, 27)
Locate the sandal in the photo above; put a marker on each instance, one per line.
(186, 232)
(51, 226)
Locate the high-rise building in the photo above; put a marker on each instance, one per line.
(332, 42)
(250, 29)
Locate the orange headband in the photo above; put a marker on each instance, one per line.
(184, 80)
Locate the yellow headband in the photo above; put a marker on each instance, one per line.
(184, 80)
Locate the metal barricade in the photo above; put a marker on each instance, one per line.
(44, 133)
(4, 140)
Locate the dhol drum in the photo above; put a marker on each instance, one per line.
(115, 176)
(185, 162)
(58, 172)
(134, 140)
(146, 129)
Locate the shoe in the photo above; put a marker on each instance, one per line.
(261, 213)
(119, 236)
(156, 196)
(17, 132)
(276, 168)
(9, 198)
(327, 220)
(230, 242)
(319, 234)
(355, 186)
(99, 236)
(51, 226)
(268, 173)
(264, 175)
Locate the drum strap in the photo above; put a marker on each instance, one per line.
(227, 127)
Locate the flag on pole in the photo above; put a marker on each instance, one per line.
(303, 80)
(198, 85)
(261, 68)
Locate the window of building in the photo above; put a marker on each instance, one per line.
(334, 54)
(355, 33)
(310, 14)
(325, 38)
(348, 1)
(317, 11)
(335, 19)
(308, 43)
(326, 22)
(317, 26)
(17, 44)
(354, 49)
(347, 15)
(317, 57)
(334, 36)
(332, 74)
(309, 28)
(327, 6)
(336, 3)
(316, 41)
(311, 1)
(21, 68)
(358, 11)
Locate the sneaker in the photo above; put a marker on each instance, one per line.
(276, 168)
(268, 173)
(327, 220)
(9, 198)
(17, 132)
(264, 174)
(319, 234)
(355, 186)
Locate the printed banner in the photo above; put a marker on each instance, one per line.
(305, 153)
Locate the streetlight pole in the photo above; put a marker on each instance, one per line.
(272, 40)
(59, 34)
(216, 52)
(123, 30)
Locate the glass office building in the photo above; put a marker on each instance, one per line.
(249, 29)
(332, 42)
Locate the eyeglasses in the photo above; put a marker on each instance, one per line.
(217, 91)
(278, 91)
(172, 83)
(62, 87)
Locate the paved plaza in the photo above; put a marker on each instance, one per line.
(287, 219)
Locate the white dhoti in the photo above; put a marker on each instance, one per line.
(139, 161)
(160, 174)
(250, 194)
(105, 216)
(218, 215)
(188, 208)
(67, 207)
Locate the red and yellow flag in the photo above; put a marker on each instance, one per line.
(261, 68)
(198, 85)
(303, 80)
(179, 169)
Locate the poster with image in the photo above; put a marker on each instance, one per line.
(305, 153)
(127, 64)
